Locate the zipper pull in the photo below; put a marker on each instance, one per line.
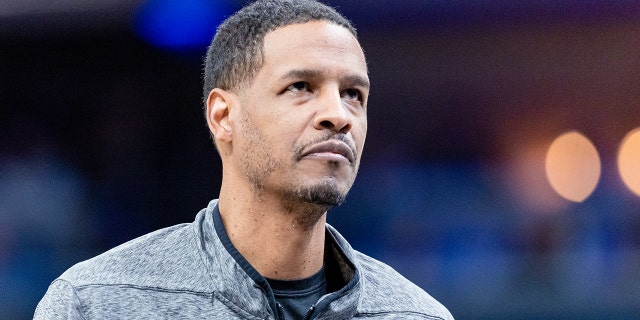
(309, 313)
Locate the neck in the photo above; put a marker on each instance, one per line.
(280, 239)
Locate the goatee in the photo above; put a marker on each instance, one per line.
(325, 194)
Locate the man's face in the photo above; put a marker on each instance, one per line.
(303, 118)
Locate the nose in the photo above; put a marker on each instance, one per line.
(333, 115)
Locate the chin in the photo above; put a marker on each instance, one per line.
(328, 193)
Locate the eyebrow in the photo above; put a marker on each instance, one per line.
(352, 80)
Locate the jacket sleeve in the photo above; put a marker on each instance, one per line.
(60, 302)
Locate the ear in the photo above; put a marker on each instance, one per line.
(219, 104)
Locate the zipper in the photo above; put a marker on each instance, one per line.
(280, 311)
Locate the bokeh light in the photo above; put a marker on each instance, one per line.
(629, 161)
(180, 24)
(573, 166)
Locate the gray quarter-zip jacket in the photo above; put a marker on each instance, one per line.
(193, 271)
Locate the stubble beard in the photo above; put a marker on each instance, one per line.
(312, 200)
(326, 193)
(323, 193)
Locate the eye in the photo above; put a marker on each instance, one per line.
(299, 86)
(352, 95)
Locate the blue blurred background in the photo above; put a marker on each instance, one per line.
(102, 140)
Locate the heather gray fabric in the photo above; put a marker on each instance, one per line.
(188, 272)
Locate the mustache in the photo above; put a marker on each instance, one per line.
(299, 149)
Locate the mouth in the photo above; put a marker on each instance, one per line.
(333, 150)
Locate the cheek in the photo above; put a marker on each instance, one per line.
(360, 132)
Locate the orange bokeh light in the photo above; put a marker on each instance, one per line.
(573, 166)
(629, 161)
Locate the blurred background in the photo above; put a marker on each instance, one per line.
(501, 171)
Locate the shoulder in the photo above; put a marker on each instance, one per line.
(165, 258)
(386, 292)
(60, 302)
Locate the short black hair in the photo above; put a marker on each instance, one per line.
(235, 54)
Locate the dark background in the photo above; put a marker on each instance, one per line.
(102, 140)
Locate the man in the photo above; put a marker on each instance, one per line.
(286, 90)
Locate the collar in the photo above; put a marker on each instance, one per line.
(240, 287)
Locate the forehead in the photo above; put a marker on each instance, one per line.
(317, 44)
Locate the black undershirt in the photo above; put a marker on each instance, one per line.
(296, 297)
